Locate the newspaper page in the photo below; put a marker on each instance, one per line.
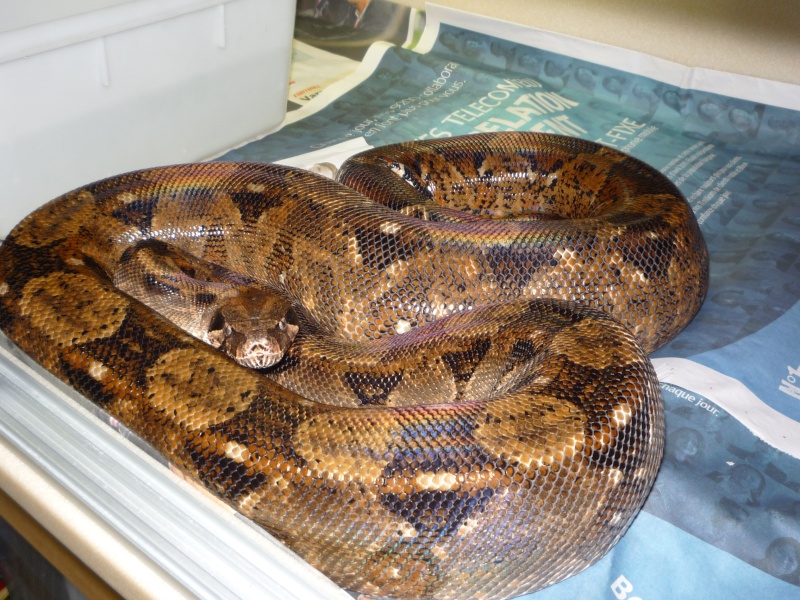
(313, 70)
(723, 520)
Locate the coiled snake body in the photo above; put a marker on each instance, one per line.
(489, 286)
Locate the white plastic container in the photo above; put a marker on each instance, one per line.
(138, 84)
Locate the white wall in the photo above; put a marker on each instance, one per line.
(754, 37)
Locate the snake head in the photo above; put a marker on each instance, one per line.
(254, 328)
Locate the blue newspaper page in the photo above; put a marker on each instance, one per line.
(723, 520)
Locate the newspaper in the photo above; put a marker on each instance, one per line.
(723, 520)
(313, 70)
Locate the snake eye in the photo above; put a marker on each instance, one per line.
(217, 322)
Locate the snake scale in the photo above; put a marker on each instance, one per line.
(467, 409)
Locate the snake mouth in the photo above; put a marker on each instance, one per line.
(258, 356)
(253, 354)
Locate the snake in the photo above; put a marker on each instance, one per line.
(429, 377)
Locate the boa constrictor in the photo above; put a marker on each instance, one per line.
(485, 277)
